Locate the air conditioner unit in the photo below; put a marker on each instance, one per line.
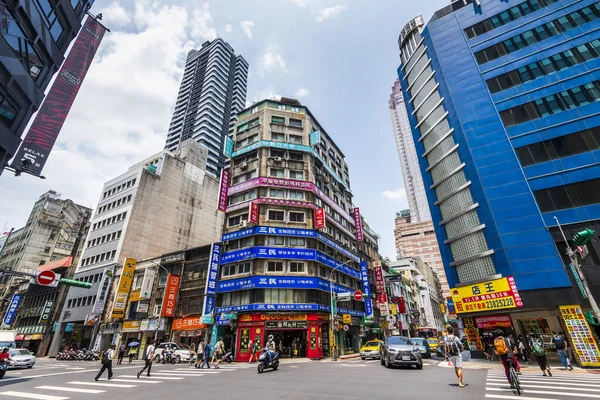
(243, 224)
(244, 165)
(277, 159)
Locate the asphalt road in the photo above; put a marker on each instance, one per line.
(350, 379)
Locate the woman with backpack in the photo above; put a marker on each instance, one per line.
(538, 350)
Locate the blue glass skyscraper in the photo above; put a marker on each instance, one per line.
(505, 112)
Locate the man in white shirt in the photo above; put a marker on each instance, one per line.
(148, 357)
(107, 357)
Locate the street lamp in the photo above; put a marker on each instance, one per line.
(333, 339)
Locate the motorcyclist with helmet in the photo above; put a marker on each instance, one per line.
(271, 346)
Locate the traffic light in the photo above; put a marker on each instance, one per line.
(583, 237)
(72, 282)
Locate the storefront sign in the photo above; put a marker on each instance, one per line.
(319, 218)
(279, 282)
(286, 325)
(106, 329)
(315, 138)
(120, 301)
(358, 224)
(11, 313)
(364, 275)
(211, 281)
(492, 295)
(134, 296)
(91, 319)
(143, 306)
(221, 320)
(493, 322)
(147, 284)
(170, 298)
(382, 300)
(102, 293)
(131, 326)
(223, 189)
(188, 323)
(292, 232)
(346, 318)
(144, 325)
(584, 343)
(253, 213)
(228, 146)
(285, 307)
(378, 272)
(46, 311)
(153, 324)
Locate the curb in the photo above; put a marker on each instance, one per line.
(349, 356)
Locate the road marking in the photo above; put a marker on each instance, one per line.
(512, 397)
(292, 366)
(171, 378)
(68, 389)
(547, 381)
(134, 381)
(527, 385)
(172, 373)
(101, 384)
(32, 396)
(201, 371)
(589, 396)
(75, 368)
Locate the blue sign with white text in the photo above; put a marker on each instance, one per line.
(286, 307)
(11, 313)
(213, 270)
(279, 282)
(369, 308)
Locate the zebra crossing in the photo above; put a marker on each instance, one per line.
(563, 385)
(123, 379)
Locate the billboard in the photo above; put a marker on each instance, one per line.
(253, 213)
(223, 188)
(228, 146)
(584, 343)
(54, 110)
(11, 313)
(147, 284)
(496, 294)
(103, 290)
(170, 298)
(358, 223)
(319, 218)
(378, 272)
(120, 302)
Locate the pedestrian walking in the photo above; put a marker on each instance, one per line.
(253, 350)
(207, 353)
(148, 358)
(193, 354)
(561, 348)
(132, 353)
(122, 351)
(219, 352)
(539, 352)
(199, 354)
(453, 348)
(523, 349)
(107, 357)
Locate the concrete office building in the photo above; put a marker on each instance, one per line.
(212, 93)
(503, 101)
(161, 204)
(35, 37)
(276, 263)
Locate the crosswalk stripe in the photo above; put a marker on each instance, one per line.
(68, 389)
(161, 374)
(171, 378)
(547, 381)
(24, 395)
(134, 381)
(121, 385)
(555, 377)
(512, 397)
(192, 372)
(589, 396)
(527, 385)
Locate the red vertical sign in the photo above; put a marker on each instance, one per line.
(168, 303)
(319, 218)
(223, 189)
(378, 272)
(358, 224)
(54, 110)
(253, 213)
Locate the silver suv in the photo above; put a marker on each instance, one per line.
(400, 350)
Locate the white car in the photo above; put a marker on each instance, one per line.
(22, 358)
(182, 351)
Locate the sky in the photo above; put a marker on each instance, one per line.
(338, 57)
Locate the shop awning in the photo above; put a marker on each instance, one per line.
(63, 262)
(20, 337)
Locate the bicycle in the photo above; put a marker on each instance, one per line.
(514, 377)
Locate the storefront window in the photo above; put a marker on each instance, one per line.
(244, 339)
(538, 326)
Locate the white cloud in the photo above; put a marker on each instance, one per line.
(268, 93)
(302, 92)
(329, 12)
(398, 195)
(271, 61)
(247, 27)
(228, 28)
(202, 28)
(114, 15)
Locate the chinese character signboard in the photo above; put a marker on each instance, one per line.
(496, 294)
(210, 291)
(493, 322)
(102, 291)
(286, 324)
(384, 308)
(364, 275)
(319, 218)
(147, 284)
(223, 188)
(11, 313)
(585, 346)
(168, 304)
(188, 323)
(46, 312)
(253, 213)
(228, 148)
(378, 271)
(120, 302)
(52, 114)
(315, 138)
(358, 223)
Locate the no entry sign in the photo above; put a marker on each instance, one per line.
(358, 295)
(46, 278)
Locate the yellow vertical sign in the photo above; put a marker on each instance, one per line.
(584, 344)
(120, 303)
(393, 309)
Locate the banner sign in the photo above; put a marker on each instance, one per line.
(253, 213)
(91, 319)
(102, 293)
(315, 138)
(271, 182)
(286, 307)
(223, 188)
(46, 311)
(286, 325)
(378, 272)
(384, 308)
(584, 343)
(120, 301)
(287, 254)
(293, 232)
(492, 322)
(497, 294)
(279, 282)
(358, 224)
(143, 306)
(170, 298)
(228, 146)
(11, 312)
(54, 110)
(187, 323)
(147, 284)
(364, 275)
(213, 272)
(319, 218)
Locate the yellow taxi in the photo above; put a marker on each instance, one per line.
(433, 344)
(370, 349)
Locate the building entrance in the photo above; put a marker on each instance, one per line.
(291, 343)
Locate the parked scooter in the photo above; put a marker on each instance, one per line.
(228, 357)
(268, 359)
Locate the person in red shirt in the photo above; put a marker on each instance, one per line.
(4, 355)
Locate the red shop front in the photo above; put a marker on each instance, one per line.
(296, 335)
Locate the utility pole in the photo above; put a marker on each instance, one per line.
(584, 237)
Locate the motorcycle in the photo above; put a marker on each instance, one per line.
(168, 357)
(268, 359)
(3, 367)
(228, 357)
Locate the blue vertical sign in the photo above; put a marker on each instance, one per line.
(228, 147)
(11, 313)
(210, 291)
(364, 274)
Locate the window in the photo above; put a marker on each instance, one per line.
(276, 153)
(297, 241)
(275, 240)
(277, 172)
(295, 109)
(297, 216)
(275, 215)
(296, 156)
(278, 137)
(228, 270)
(296, 174)
(277, 120)
(297, 195)
(281, 107)
(8, 109)
(568, 196)
(562, 146)
(243, 268)
(276, 192)
(236, 220)
(275, 266)
(295, 122)
(297, 267)
(296, 139)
